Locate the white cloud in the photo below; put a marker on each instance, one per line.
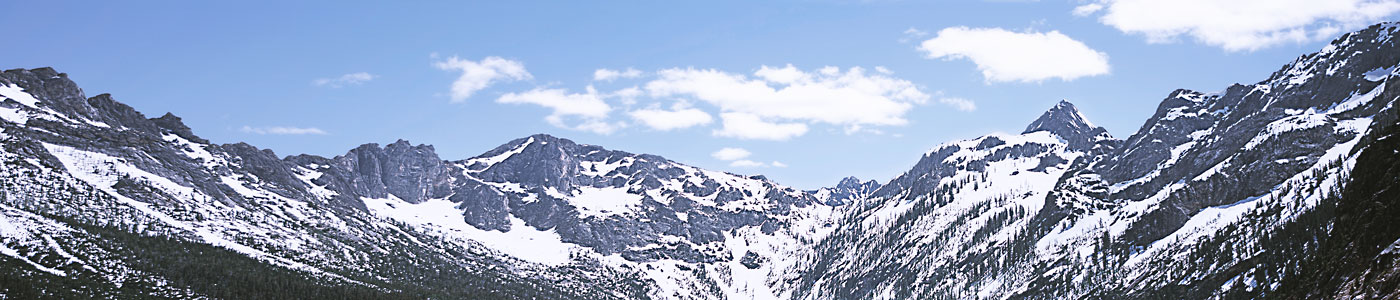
(773, 103)
(587, 109)
(911, 34)
(281, 130)
(477, 75)
(599, 126)
(744, 163)
(610, 74)
(749, 126)
(628, 96)
(736, 158)
(1087, 9)
(678, 118)
(1005, 56)
(1243, 25)
(778, 103)
(344, 80)
(728, 154)
(959, 103)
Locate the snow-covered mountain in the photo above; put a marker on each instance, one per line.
(1218, 195)
(537, 217)
(1232, 194)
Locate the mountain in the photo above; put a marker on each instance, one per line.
(850, 189)
(100, 200)
(1218, 195)
(961, 198)
(1279, 189)
(90, 184)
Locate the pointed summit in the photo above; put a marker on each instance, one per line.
(1065, 121)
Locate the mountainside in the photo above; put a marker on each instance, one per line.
(1215, 197)
(537, 217)
(1280, 189)
(1359, 256)
(90, 184)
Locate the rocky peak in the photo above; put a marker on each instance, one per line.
(853, 183)
(412, 173)
(177, 126)
(1065, 121)
(850, 189)
(539, 160)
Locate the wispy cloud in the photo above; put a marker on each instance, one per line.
(958, 103)
(744, 163)
(729, 153)
(1087, 9)
(477, 75)
(610, 74)
(282, 130)
(912, 34)
(586, 110)
(344, 80)
(736, 158)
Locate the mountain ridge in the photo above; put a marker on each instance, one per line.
(1217, 195)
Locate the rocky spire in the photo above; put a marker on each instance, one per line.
(1065, 121)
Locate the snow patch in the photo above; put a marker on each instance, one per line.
(491, 161)
(442, 217)
(604, 202)
(14, 92)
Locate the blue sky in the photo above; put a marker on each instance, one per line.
(322, 78)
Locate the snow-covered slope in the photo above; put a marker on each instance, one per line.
(967, 197)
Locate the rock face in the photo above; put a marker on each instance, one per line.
(411, 173)
(1218, 195)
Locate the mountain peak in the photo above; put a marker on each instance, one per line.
(1064, 116)
(1065, 121)
(848, 182)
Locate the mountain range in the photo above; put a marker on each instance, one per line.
(1285, 188)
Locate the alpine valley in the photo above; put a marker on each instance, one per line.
(1288, 188)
